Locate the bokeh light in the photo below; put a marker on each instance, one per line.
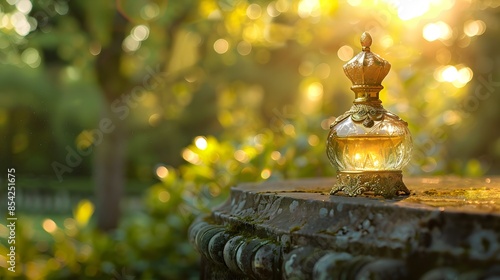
(24, 6)
(354, 3)
(315, 91)
(150, 11)
(221, 46)
(254, 11)
(164, 196)
(309, 8)
(140, 33)
(449, 73)
(162, 172)
(474, 27)
(49, 225)
(244, 48)
(435, 31)
(190, 156)
(345, 53)
(201, 142)
(130, 44)
(31, 57)
(265, 174)
(313, 140)
(272, 10)
(458, 75)
(408, 9)
(241, 156)
(275, 155)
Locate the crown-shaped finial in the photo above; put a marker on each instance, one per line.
(366, 70)
(366, 41)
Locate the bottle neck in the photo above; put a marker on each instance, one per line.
(366, 94)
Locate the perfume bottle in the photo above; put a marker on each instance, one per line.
(367, 144)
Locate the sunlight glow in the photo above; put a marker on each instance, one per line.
(221, 46)
(20, 23)
(130, 44)
(474, 28)
(309, 8)
(315, 91)
(24, 6)
(265, 174)
(354, 3)
(282, 6)
(386, 41)
(254, 11)
(241, 156)
(140, 33)
(275, 155)
(162, 172)
(410, 9)
(244, 47)
(435, 31)
(49, 226)
(31, 57)
(272, 11)
(191, 157)
(449, 74)
(345, 53)
(458, 75)
(464, 75)
(201, 143)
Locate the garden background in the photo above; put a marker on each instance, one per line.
(126, 119)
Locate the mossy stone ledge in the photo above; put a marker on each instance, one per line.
(447, 227)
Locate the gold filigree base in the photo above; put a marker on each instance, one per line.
(385, 183)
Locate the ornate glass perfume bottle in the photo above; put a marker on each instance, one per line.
(367, 144)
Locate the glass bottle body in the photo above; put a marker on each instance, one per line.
(354, 147)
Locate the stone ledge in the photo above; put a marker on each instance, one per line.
(295, 230)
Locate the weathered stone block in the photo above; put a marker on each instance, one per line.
(447, 227)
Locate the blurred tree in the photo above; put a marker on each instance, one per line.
(112, 28)
(109, 167)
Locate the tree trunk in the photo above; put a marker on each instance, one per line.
(109, 165)
(109, 172)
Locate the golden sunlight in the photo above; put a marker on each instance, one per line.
(474, 28)
(201, 143)
(410, 9)
(221, 46)
(162, 172)
(49, 226)
(435, 31)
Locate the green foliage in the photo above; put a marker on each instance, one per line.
(152, 244)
